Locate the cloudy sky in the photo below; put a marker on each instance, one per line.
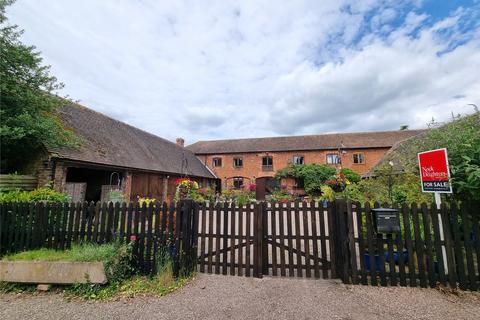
(230, 69)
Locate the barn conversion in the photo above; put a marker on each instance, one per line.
(114, 156)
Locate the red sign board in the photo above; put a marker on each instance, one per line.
(434, 171)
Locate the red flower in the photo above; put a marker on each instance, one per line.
(178, 181)
(133, 237)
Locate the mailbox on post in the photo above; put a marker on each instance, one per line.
(386, 220)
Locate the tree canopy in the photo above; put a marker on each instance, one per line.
(461, 138)
(28, 100)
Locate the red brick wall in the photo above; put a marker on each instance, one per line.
(252, 162)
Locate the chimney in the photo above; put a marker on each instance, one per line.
(180, 142)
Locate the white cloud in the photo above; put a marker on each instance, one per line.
(383, 84)
(254, 68)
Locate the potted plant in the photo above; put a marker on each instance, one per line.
(185, 188)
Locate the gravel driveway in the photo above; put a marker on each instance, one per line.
(230, 297)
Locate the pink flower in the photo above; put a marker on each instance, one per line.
(133, 238)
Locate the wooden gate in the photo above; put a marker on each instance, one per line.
(279, 239)
(296, 240)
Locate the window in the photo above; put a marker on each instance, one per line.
(298, 160)
(333, 158)
(217, 162)
(237, 162)
(267, 163)
(358, 158)
(238, 183)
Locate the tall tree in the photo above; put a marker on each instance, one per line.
(28, 103)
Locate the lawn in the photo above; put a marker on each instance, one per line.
(78, 252)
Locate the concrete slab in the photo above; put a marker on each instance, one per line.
(57, 272)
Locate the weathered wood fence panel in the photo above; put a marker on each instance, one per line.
(300, 239)
(227, 239)
(286, 239)
(297, 239)
(25, 226)
(14, 181)
(435, 246)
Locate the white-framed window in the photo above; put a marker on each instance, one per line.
(267, 163)
(238, 162)
(298, 160)
(358, 158)
(333, 158)
(217, 162)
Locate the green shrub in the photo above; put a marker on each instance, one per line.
(40, 194)
(15, 195)
(241, 197)
(281, 196)
(327, 193)
(352, 192)
(351, 175)
(121, 264)
(313, 175)
(48, 194)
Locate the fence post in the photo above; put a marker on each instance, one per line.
(185, 253)
(258, 241)
(264, 237)
(340, 237)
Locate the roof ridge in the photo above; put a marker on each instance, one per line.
(309, 135)
(115, 142)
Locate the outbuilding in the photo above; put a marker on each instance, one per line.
(114, 156)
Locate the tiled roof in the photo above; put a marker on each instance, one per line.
(379, 139)
(107, 141)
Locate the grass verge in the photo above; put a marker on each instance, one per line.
(79, 252)
(159, 285)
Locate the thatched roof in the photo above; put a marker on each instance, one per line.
(356, 140)
(107, 141)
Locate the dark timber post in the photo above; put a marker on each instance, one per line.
(258, 240)
(185, 254)
(264, 237)
(340, 237)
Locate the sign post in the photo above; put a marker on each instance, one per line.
(435, 177)
(434, 173)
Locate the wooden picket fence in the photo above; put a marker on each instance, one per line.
(301, 239)
(295, 239)
(435, 246)
(25, 226)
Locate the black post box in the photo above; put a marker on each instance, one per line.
(386, 220)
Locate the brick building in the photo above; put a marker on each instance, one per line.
(115, 156)
(241, 161)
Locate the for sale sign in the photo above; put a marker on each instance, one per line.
(434, 171)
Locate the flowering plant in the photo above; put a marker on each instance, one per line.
(186, 183)
(241, 196)
(282, 196)
(186, 189)
(338, 183)
(145, 200)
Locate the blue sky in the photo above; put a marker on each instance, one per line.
(231, 69)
